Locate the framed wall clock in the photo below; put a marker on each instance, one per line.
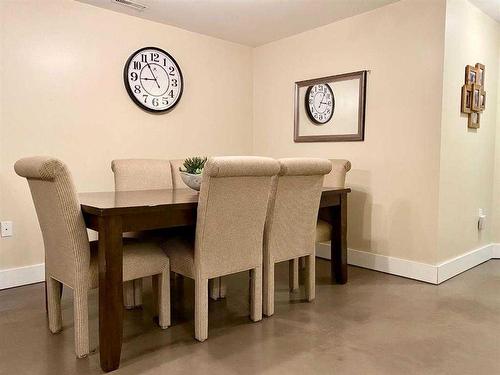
(330, 109)
(320, 103)
(153, 80)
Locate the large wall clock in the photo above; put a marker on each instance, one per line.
(320, 103)
(153, 79)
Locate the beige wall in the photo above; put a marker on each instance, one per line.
(496, 186)
(418, 179)
(467, 155)
(395, 175)
(62, 94)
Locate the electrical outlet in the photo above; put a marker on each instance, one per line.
(6, 228)
(481, 219)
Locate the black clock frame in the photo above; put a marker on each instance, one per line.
(129, 90)
(308, 110)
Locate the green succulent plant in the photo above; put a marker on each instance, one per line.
(193, 165)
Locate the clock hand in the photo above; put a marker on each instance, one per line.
(151, 70)
(148, 79)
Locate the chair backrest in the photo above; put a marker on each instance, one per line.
(231, 214)
(293, 208)
(336, 178)
(141, 174)
(67, 252)
(176, 176)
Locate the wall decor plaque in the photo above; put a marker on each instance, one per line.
(473, 95)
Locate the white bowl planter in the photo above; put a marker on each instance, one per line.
(191, 180)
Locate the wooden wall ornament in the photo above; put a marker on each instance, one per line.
(473, 94)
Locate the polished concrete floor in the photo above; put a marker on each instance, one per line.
(376, 324)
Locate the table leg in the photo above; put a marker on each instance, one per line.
(339, 241)
(110, 292)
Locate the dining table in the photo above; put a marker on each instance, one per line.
(113, 213)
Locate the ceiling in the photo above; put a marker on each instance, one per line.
(249, 22)
(490, 7)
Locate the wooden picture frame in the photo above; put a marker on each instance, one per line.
(470, 75)
(466, 99)
(360, 132)
(476, 98)
(482, 100)
(474, 120)
(480, 74)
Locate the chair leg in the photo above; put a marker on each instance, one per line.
(163, 286)
(53, 290)
(268, 289)
(293, 274)
(138, 292)
(217, 288)
(156, 282)
(128, 294)
(302, 262)
(310, 277)
(256, 294)
(214, 287)
(222, 287)
(81, 317)
(201, 309)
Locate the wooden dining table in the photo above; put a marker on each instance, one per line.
(113, 213)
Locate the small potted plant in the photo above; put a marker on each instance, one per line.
(191, 171)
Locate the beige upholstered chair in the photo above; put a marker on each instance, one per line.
(291, 221)
(139, 174)
(217, 286)
(336, 178)
(69, 257)
(229, 230)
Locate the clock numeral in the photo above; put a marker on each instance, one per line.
(155, 57)
(145, 98)
(155, 102)
(144, 58)
(137, 89)
(174, 82)
(137, 65)
(171, 93)
(134, 76)
(171, 70)
(164, 101)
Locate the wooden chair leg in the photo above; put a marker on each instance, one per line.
(53, 290)
(256, 294)
(81, 323)
(293, 274)
(268, 289)
(163, 286)
(311, 277)
(201, 309)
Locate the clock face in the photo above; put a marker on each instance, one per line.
(153, 79)
(320, 103)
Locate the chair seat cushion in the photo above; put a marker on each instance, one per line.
(140, 259)
(323, 231)
(180, 251)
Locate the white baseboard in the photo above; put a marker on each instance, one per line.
(495, 251)
(12, 277)
(464, 262)
(383, 263)
(434, 274)
(430, 273)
